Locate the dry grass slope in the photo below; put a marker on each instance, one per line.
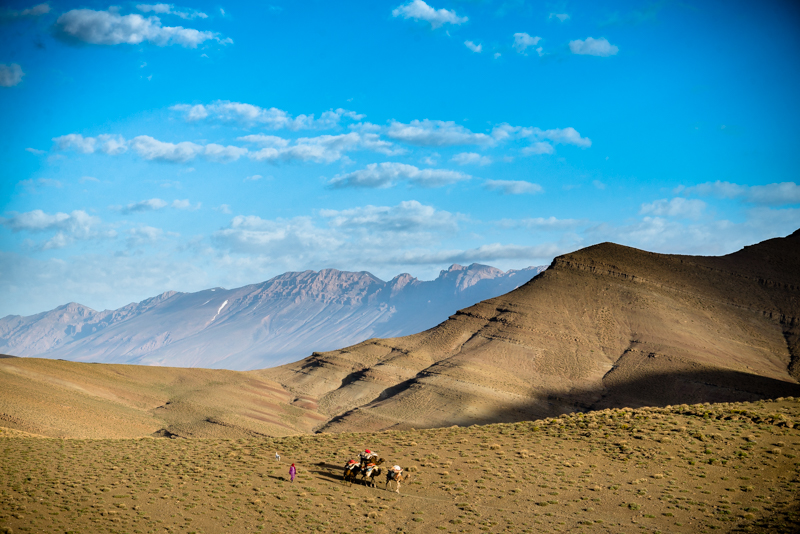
(66, 399)
(691, 468)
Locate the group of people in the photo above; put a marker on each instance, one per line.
(368, 463)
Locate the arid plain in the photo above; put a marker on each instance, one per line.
(619, 391)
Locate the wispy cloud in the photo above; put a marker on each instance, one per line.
(471, 158)
(436, 133)
(513, 187)
(272, 118)
(407, 217)
(111, 28)
(419, 10)
(77, 225)
(35, 11)
(170, 9)
(472, 46)
(677, 207)
(775, 194)
(10, 74)
(522, 41)
(108, 144)
(383, 175)
(593, 47)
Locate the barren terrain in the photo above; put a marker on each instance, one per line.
(700, 468)
(606, 326)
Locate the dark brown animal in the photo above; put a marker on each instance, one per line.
(351, 471)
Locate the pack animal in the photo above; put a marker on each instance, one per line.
(396, 476)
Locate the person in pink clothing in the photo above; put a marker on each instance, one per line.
(292, 472)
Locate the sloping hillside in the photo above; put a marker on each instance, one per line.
(256, 326)
(80, 400)
(605, 326)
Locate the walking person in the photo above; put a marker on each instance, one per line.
(292, 472)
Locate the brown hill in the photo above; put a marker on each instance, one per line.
(80, 400)
(606, 326)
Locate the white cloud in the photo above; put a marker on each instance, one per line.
(383, 175)
(278, 238)
(593, 47)
(215, 152)
(407, 217)
(598, 184)
(185, 205)
(144, 235)
(419, 10)
(68, 226)
(497, 55)
(538, 147)
(472, 46)
(775, 194)
(522, 41)
(106, 143)
(151, 204)
(273, 118)
(513, 187)
(10, 75)
(253, 178)
(153, 149)
(35, 151)
(564, 136)
(323, 148)
(169, 9)
(542, 223)
(674, 236)
(560, 16)
(111, 28)
(485, 254)
(471, 158)
(677, 207)
(265, 140)
(436, 133)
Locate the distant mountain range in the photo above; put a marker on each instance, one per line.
(256, 326)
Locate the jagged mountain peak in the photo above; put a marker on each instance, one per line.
(255, 326)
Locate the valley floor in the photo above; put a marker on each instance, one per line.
(701, 468)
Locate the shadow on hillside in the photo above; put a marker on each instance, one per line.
(665, 389)
(653, 390)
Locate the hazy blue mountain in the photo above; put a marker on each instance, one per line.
(255, 326)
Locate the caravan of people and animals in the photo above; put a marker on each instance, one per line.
(369, 468)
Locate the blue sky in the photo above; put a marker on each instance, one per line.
(154, 147)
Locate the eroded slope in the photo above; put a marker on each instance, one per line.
(605, 326)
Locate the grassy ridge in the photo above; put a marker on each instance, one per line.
(719, 467)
